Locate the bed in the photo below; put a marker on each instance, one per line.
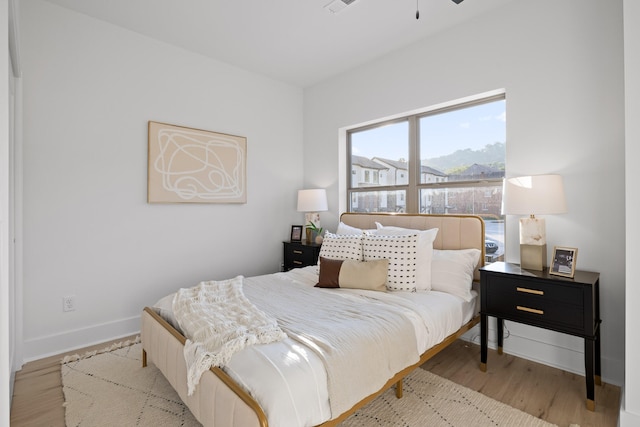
(225, 397)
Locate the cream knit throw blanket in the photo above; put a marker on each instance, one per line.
(218, 321)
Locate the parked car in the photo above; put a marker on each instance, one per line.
(490, 246)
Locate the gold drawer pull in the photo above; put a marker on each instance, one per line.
(297, 252)
(297, 262)
(530, 291)
(529, 310)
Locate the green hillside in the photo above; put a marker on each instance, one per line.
(492, 155)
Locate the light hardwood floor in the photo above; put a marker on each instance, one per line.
(540, 390)
(37, 392)
(545, 392)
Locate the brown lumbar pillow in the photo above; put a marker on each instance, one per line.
(371, 275)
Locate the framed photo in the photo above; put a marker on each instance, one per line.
(296, 233)
(563, 262)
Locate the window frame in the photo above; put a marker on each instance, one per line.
(413, 188)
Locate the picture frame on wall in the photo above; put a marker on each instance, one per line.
(296, 233)
(563, 261)
(187, 165)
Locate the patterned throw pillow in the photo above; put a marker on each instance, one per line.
(341, 247)
(425, 251)
(402, 253)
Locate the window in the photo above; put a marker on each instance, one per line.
(444, 161)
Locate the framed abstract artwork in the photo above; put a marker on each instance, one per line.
(195, 166)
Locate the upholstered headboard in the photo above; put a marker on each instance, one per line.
(455, 231)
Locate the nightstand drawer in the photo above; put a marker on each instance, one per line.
(298, 255)
(536, 310)
(536, 289)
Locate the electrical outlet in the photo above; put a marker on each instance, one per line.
(69, 303)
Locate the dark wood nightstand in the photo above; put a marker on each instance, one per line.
(300, 254)
(536, 298)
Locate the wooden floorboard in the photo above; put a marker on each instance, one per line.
(548, 393)
(37, 394)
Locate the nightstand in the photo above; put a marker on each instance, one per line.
(536, 298)
(300, 254)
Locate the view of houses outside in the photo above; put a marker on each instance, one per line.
(461, 169)
(385, 172)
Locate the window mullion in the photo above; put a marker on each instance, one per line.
(413, 166)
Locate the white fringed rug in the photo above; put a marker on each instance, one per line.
(110, 388)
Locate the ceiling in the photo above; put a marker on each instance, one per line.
(295, 41)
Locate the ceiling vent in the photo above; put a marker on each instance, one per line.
(337, 5)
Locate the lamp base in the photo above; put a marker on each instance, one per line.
(311, 218)
(533, 257)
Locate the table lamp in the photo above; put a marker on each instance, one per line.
(533, 195)
(312, 202)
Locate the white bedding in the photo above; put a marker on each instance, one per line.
(298, 374)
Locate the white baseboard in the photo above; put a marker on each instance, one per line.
(68, 341)
(627, 419)
(12, 381)
(549, 348)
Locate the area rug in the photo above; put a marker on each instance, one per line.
(110, 387)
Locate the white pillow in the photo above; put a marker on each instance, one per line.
(452, 271)
(341, 247)
(347, 229)
(425, 251)
(402, 253)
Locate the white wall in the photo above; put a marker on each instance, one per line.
(630, 415)
(6, 353)
(561, 64)
(89, 90)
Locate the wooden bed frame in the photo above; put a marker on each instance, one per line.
(218, 401)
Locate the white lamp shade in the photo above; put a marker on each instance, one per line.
(314, 200)
(534, 195)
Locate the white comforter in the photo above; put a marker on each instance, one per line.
(361, 341)
(297, 373)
